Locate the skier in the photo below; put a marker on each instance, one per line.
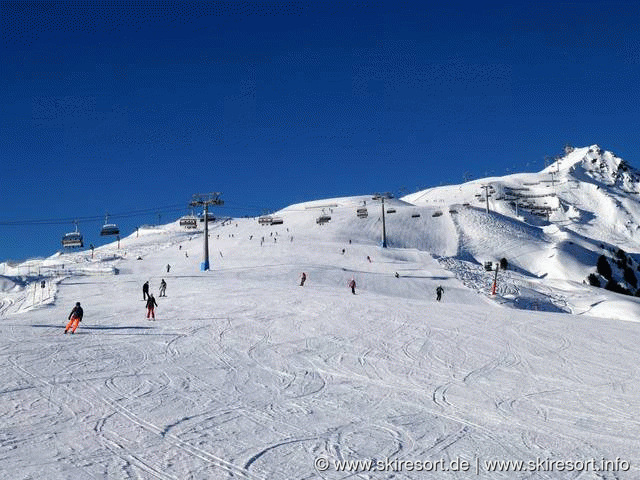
(151, 303)
(303, 278)
(168, 267)
(145, 290)
(439, 292)
(397, 275)
(75, 317)
(368, 258)
(163, 288)
(352, 286)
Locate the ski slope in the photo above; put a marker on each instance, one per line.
(247, 375)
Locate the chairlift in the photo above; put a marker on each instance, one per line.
(109, 228)
(437, 213)
(210, 217)
(362, 212)
(322, 219)
(189, 221)
(415, 215)
(73, 239)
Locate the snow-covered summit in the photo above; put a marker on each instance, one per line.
(597, 165)
(583, 205)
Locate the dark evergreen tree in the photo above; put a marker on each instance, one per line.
(630, 277)
(594, 281)
(603, 267)
(616, 287)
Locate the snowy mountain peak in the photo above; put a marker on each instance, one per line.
(552, 224)
(595, 165)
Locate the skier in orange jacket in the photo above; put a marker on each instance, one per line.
(75, 317)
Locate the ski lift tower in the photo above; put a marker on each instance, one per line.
(488, 190)
(204, 200)
(380, 197)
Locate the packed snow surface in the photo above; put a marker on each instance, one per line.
(246, 374)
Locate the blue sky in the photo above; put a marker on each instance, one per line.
(131, 107)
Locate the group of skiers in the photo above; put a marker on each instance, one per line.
(75, 317)
(151, 301)
(352, 283)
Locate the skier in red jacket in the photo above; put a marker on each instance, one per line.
(151, 303)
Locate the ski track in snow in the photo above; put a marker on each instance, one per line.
(244, 374)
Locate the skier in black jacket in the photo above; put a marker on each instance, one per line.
(75, 317)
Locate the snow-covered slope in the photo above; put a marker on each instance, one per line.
(245, 374)
(553, 224)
